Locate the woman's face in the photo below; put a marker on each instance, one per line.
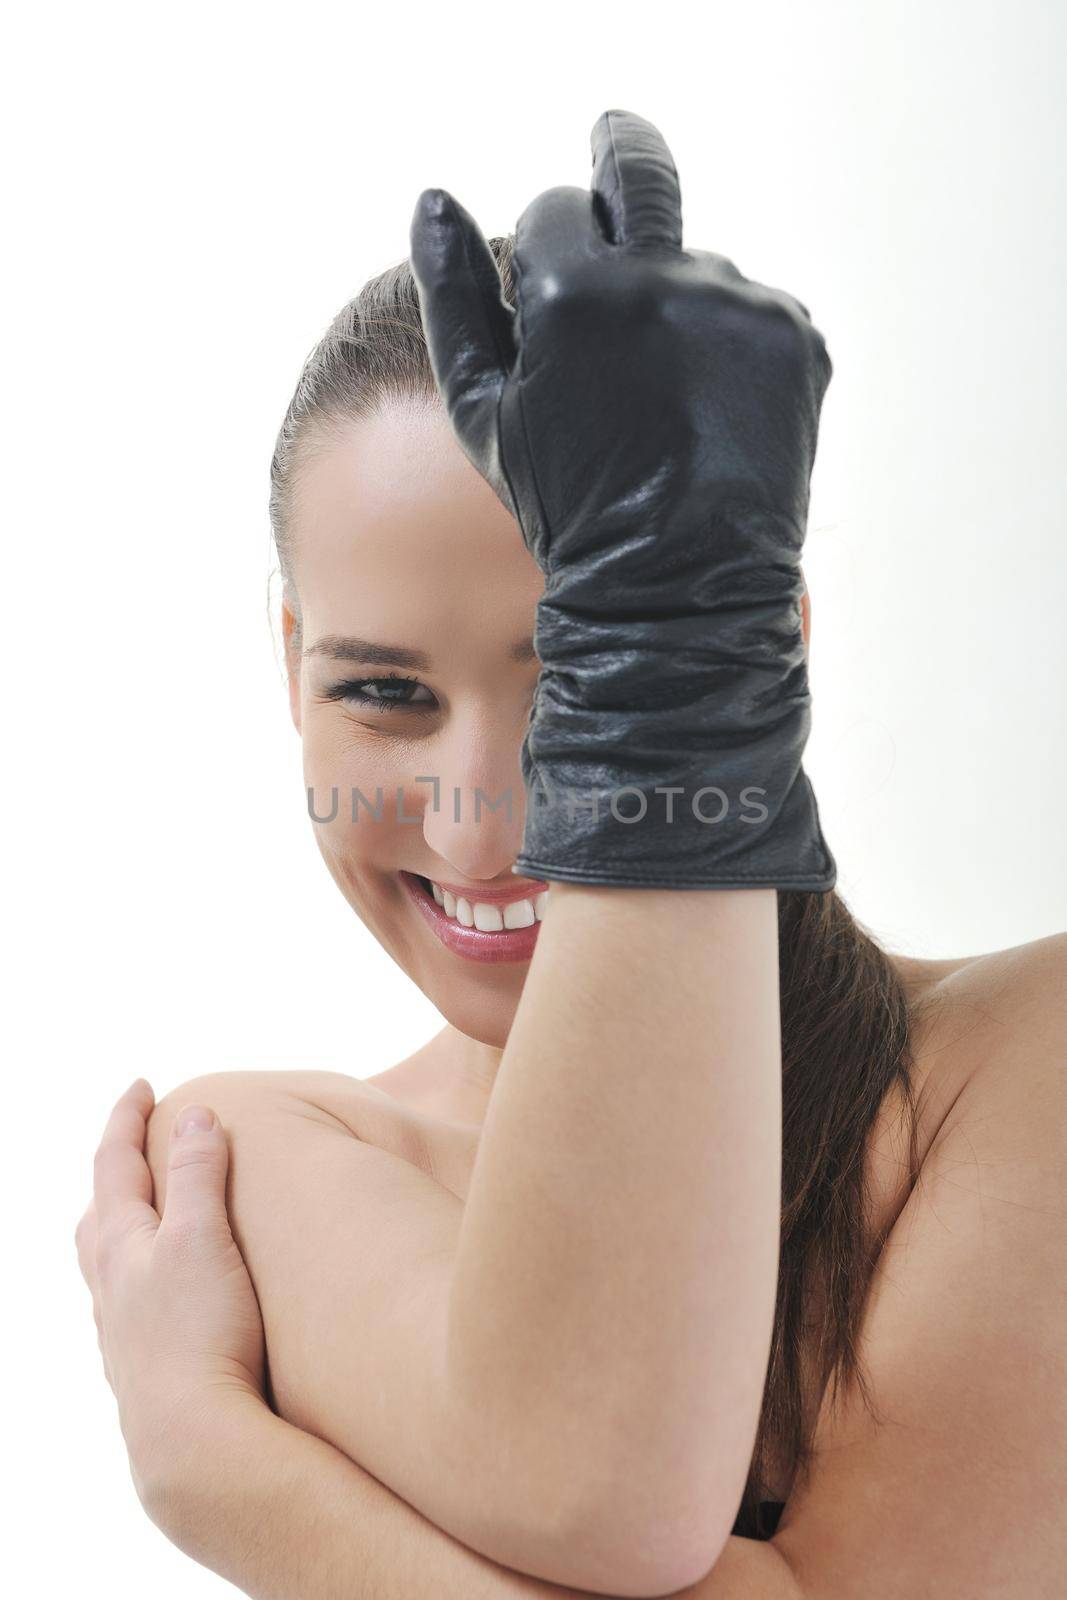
(398, 542)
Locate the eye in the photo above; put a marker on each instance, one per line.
(394, 693)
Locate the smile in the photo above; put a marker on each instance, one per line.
(482, 930)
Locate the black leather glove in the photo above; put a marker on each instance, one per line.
(649, 416)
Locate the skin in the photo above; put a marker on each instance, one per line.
(399, 539)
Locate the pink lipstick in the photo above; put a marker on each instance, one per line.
(507, 944)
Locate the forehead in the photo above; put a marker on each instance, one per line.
(391, 499)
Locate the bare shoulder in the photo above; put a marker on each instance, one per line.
(355, 1107)
(1004, 1017)
(952, 1480)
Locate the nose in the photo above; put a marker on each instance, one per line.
(473, 814)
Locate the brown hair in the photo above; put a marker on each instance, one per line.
(846, 1020)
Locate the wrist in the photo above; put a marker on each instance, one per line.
(195, 1451)
(667, 751)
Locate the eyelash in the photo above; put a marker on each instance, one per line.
(352, 689)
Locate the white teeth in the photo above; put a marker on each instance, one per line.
(491, 917)
(519, 914)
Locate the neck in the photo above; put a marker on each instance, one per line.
(462, 1070)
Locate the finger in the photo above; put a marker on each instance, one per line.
(556, 229)
(197, 1163)
(122, 1181)
(635, 181)
(790, 301)
(467, 322)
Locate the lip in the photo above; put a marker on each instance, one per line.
(509, 944)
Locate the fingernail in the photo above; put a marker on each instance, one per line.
(194, 1119)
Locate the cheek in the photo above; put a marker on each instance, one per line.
(354, 777)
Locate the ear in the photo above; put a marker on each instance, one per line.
(291, 633)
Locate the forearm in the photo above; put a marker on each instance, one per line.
(613, 1291)
(286, 1516)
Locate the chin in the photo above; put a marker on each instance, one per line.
(479, 999)
(484, 1011)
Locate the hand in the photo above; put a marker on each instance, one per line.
(177, 1318)
(636, 384)
(650, 417)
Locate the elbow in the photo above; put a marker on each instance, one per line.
(609, 1513)
(638, 1547)
(629, 1543)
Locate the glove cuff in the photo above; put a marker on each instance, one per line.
(668, 754)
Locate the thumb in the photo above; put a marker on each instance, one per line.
(197, 1164)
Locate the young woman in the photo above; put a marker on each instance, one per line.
(701, 1205)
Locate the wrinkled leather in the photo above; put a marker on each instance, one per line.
(650, 417)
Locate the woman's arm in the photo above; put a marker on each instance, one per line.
(285, 1516)
(613, 1292)
(273, 1508)
(655, 1159)
(650, 416)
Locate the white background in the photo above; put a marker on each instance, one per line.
(190, 194)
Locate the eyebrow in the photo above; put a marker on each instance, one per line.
(337, 647)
